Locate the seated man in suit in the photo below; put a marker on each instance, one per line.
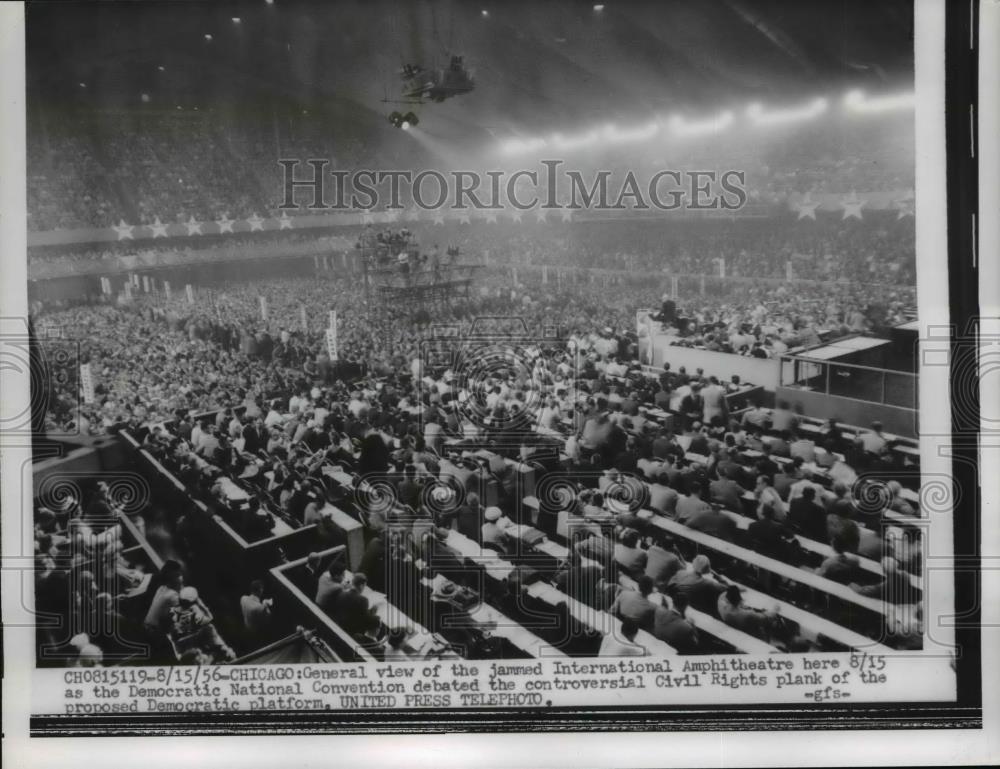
(691, 504)
(698, 585)
(802, 448)
(789, 475)
(351, 609)
(579, 579)
(635, 605)
(712, 521)
(373, 561)
(329, 587)
(595, 547)
(770, 538)
(673, 628)
(661, 566)
(842, 566)
(629, 556)
(727, 492)
(662, 498)
(469, 518)
(737, 614)
(806, 516)
(893, 588)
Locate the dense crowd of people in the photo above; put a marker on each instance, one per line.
(154, 355)
(94, 169)
(388, 406)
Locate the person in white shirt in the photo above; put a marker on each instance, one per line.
(767, 496)
(782, 418)
(196, 434)
(549, 416)
(572, 447)
(622, 643)
(678, 395)
(874, 442)
(796, 489)
(356, 405)
(615, 368)
(273, 417)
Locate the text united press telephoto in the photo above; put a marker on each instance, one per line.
(458, 366)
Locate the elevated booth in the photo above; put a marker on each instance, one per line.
(848, 380)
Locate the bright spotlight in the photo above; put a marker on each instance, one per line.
(813, 109)
(575, 142)
(517, 146)
(485, 13)
(599, 7)
(83, 85)
(616, 136)
(405, 122)
(682, 127)
(208, 38)
(858, 101)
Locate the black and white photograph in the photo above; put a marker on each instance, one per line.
(424, 367)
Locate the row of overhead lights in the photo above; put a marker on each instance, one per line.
(853, 102)
(598, 7)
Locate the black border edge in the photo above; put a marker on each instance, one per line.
(961, 109)
(961, 138)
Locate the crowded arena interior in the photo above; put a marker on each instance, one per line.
(282, 431)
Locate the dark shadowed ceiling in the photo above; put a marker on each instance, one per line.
(538, 65)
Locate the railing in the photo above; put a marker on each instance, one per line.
(420, 278)
(687, 284)
(155, 259)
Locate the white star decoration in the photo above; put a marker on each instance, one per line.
(124, 230)
(464, 218)
(540, 214)
(256, 223)
(391, 214)
(413, 215)
(515, 215)
(225, 224)
(193, 226)
(852, 206)
(438, 218)
(567, 214)
(905, 207)
(491, 216)
(807, 208)
(284, 221)
(159, 228)
(367, 218)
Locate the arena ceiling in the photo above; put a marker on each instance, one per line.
(537, 65)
